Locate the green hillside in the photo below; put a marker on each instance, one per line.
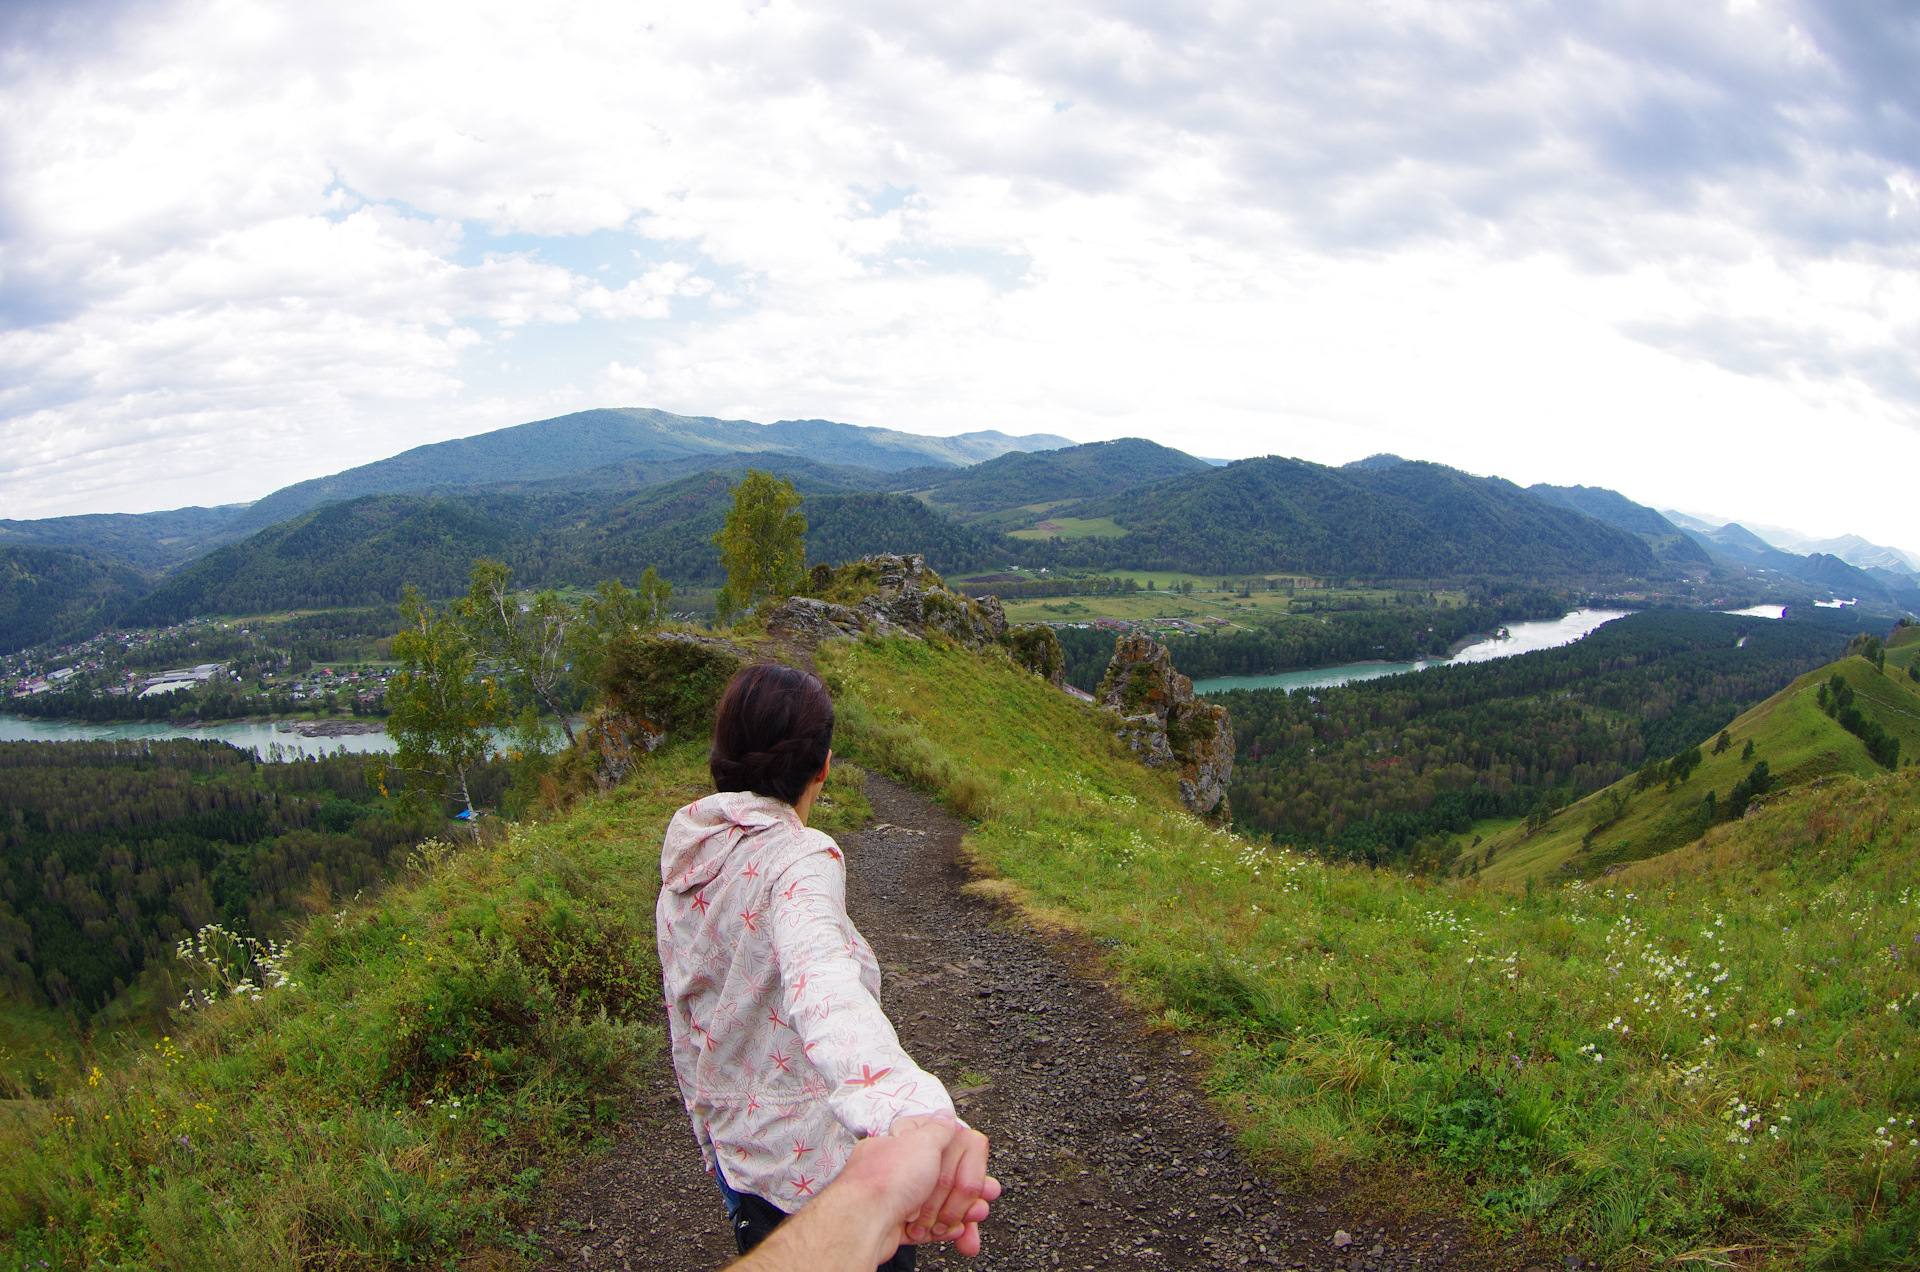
(1643, 1072)
(1408, 520)
(1799, 742)
(1019, 479)
(52, 594)
(1712, 1052)
(1399, 771)
(150, 542)
(362, 552)
(1668, 541)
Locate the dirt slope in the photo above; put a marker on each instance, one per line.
(1101, 1132)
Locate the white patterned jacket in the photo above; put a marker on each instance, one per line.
(783, 1054)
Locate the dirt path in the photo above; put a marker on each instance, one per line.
(1101, 1133)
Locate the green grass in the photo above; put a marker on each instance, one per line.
(1072, 528)
(1789, 731)
(1697, 1057)
(442, 1044)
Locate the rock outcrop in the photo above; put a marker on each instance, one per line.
(907, 599)
(1164, 723)
(660, 685)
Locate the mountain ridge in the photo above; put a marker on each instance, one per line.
(586, 440)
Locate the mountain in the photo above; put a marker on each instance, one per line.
(1854, 550)
(150, 542)
(365, 550)
(590, 440)
(1413, 519)
(51, 594)
(637, 474)
(1738, 545)
(1615, 509)
(1019, 479)
(1385, 459)
(1850, 548)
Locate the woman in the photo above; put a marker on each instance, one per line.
(784, 1057)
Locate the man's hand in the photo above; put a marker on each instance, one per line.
(863, 1216)
(961, 1188)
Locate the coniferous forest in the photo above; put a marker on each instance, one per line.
(1374, 768)
(113, 851)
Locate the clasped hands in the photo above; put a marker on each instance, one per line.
(925, 1180)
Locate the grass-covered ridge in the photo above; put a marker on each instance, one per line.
(1713, 1056)
(432, 1052)
(1790, 732)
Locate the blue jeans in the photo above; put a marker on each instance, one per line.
(754, 1218)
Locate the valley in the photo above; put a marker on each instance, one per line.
(1448, 919)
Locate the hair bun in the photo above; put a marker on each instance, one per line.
(773, 732)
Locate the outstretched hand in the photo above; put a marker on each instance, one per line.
(956, 1200)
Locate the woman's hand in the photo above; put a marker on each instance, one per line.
(956, 1205)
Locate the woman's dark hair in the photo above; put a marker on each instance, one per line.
(773, 732)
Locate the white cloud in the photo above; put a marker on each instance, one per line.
(1655, 247)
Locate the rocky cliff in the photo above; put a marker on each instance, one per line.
(902, 598)
(1165, 724)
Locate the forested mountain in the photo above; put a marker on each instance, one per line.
(1410, 519)
(1665, 538)
(1020, 478)
(1373, 768)
(638, 474)
(589, 440)
(150, 542)
(53, 594)
(365, 551)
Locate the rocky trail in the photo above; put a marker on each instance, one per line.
(1102, 1134)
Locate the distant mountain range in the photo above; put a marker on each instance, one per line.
(1850, 548)
(606, 493)
(588, 440)
(608, 449)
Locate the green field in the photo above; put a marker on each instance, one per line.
(1072, 528)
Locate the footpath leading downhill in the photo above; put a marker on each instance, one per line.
(1102, 1133)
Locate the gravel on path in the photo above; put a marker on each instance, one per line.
(1102, 1135)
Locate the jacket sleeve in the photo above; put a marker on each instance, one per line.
(845, 1035)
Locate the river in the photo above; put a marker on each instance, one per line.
(264, 740)
(1521, 638)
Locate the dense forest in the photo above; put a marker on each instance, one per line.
(114, 850)
(1411, 520)
(56, 594)
(1371, 769)
(1021, 478)
(363, 552)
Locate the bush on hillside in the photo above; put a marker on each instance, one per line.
(1036, 648)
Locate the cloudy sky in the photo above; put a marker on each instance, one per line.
(1668, 247)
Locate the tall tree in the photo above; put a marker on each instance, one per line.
(614, 611)
(764, 544)
(527, 632)
(443, 711)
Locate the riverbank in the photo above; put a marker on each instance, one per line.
(1519, 638)
(269, 738)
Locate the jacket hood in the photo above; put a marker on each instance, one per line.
(703, 835)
